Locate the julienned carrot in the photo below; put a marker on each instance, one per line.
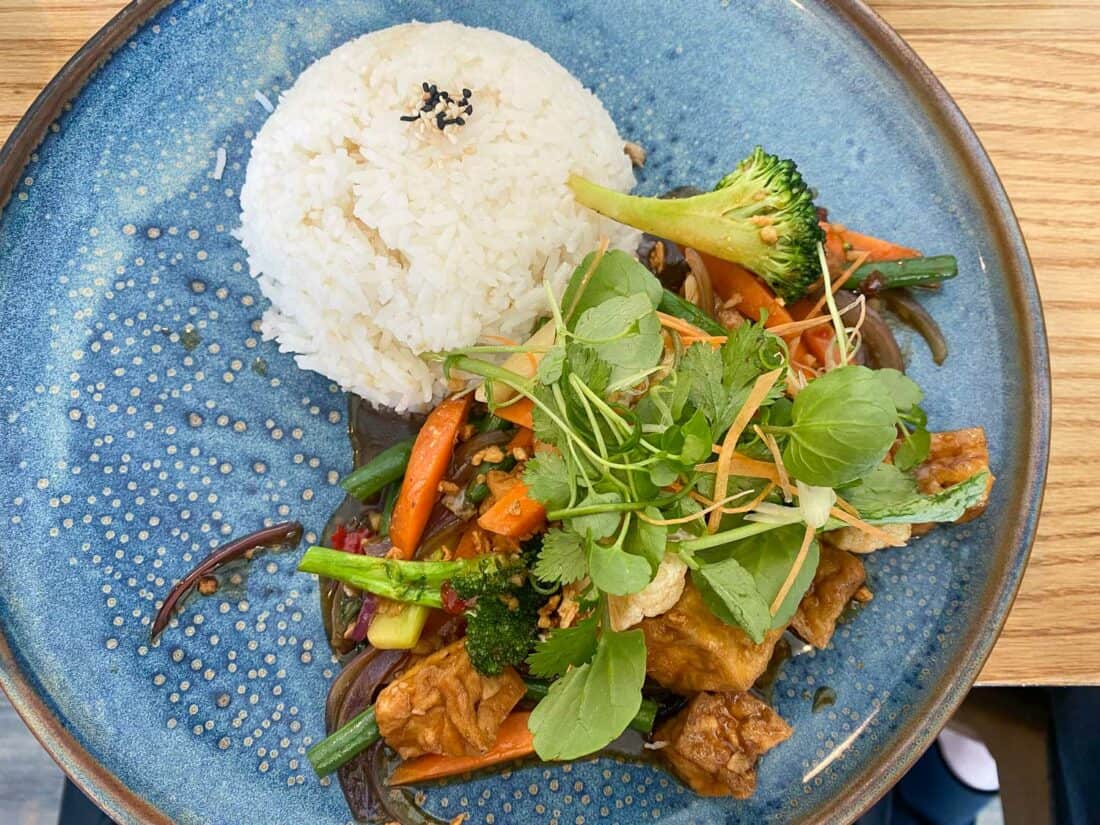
(515, 514)
(514, 741)
(518, 412)
(849, 241)
(755, 296)
(431, 455)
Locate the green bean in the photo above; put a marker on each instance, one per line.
(674, 305)
(909, 272)
(385, 468)
(389, 499)
(478, 491)
(344, 744)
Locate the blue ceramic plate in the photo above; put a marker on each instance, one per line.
(144, 421)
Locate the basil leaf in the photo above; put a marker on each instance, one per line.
(591, 705)
(843, 424)
(617, 572)
(903, 391)
(617, 274)
(768, 557)
(730, 592)
(913, 449)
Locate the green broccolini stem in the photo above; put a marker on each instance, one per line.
(410, 582)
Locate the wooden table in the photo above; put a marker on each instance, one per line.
(1026, 74)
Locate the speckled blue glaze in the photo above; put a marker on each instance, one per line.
(144, 421)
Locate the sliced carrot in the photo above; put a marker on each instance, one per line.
(514, 741)
(431, 455)
(821, 343)
(524, 439)
(515, 514)
(518, 412)
(730, 279)
(472, 544)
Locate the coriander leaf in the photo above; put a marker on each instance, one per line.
(730, 592)
(889, 496)
(597, 525)
(843, 425)
(586, 364)
(546, 429)
(903, 391)
(551, 365)
(562, 557)
(591, 705)
(750, 351)
(617, 572)
(647, 540)
(913, 449)
(549, 479)
(768, 558)
(564, 648)
(617, 274)
(702, 369)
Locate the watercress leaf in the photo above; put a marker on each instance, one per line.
(768, 557)
(598, 525)
(647, 540)
(549, 479)
(843, 424)
(591, 705)
(617, 274)
(729, 592)
(562, 557)
(913, 449)
(662, 473)
(890, 496)
(698, 443)
(904, 392)
(688, 507)
(617, 572)
(551, 365)
(564, 648)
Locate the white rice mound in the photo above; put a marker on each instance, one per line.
(377, 240)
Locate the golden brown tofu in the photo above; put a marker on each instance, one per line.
(442, 705)
(713, 744)
(953, 458)
(839, 575)
(689, 649)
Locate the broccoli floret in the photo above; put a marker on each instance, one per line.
(502, 619)
(761, 216)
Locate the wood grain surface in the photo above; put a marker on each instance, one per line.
(1027, 75)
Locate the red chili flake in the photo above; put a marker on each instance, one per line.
(452, 603)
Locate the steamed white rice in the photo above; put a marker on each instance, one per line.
(377, 240)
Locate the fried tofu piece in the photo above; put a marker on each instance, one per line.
(442, 705)
(855, 540)
(689, 649)
(714, 743)
(839, 575)
(954, 457)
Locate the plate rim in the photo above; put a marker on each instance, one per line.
(870, 784)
